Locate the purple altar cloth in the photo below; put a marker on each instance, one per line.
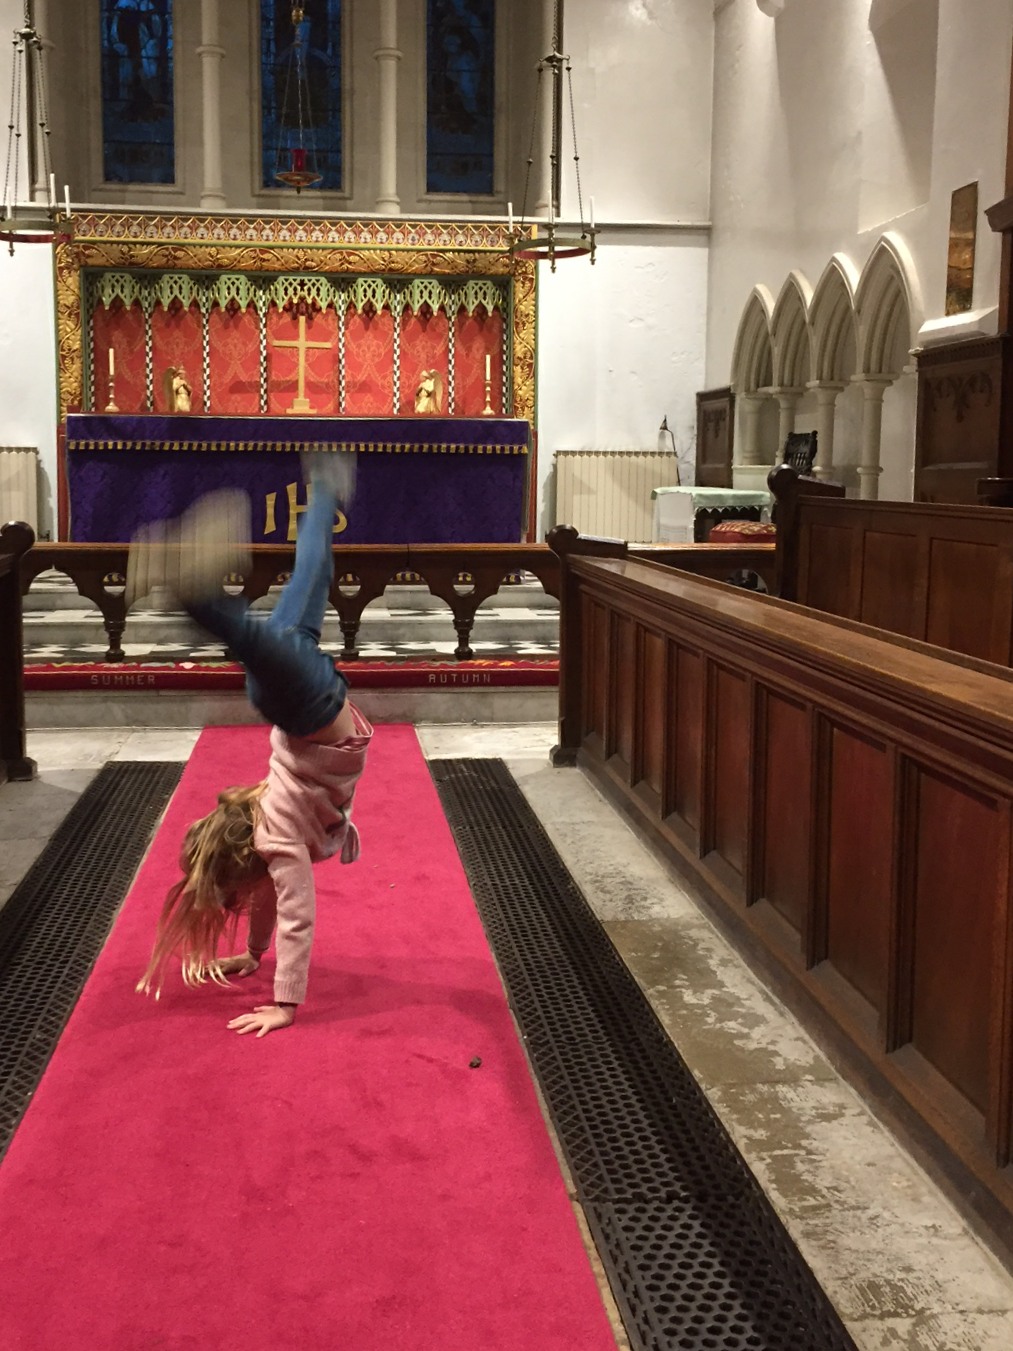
(419, 480)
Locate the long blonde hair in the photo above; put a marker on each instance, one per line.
(220, 864)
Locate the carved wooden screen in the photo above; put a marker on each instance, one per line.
(959, 408)
(715, 425)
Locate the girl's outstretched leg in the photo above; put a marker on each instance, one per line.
(303, 603)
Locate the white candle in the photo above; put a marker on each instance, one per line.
(488, 366)
(591, 203)
(510, 217)
(52, 190)
(112, 364)
(66, 200)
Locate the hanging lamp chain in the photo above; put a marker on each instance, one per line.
(576, 154)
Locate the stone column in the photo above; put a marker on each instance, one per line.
(826, 408)
(40, 179)
(749, 469)
(543, 166)
(211, 52)
(747, 444)
(787, 402)
(388, 54)
(869, 469)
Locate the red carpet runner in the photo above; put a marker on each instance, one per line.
(347, 1184)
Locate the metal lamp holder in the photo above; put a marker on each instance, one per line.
(552, 246)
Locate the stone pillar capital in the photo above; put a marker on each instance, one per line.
(873, 387)
(826, 391)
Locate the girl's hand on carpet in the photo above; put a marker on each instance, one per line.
(265, 1018)
(242, 964)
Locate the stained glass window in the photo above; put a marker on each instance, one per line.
(138, 129)
(461, 95)
(300, 74)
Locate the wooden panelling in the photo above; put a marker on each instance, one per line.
(959, 407)
(825, 581)
(858, 885)
(893, 570)
(652, 721)
(595, 664)
(938, 574)
(729, 777)
(862, 787)
(623, 691)
(687, 730)
(785, 808)
(963, 590)
(954, 915)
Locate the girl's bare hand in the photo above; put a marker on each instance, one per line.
(265, 1018)
(242, 964)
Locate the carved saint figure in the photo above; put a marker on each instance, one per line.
(177, 390)
(429, 395)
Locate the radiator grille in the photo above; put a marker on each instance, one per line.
(19, 477)
(608, 492)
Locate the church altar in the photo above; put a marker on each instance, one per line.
(420, 480)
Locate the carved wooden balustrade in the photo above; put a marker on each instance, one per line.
(463, 575)
(15, 541)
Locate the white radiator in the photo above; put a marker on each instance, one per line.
(19, 485)
(608, 492)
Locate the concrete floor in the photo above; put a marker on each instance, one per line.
(894, 1255)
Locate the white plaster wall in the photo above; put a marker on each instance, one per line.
(620, 346)
(27, 327)
(642, 82)
(832, 125)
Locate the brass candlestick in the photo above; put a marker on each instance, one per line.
(111, 405)
(488, 410)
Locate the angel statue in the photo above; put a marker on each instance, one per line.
(429, 395)
(177, 390)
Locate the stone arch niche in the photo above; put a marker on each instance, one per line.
(792, 343)
(833, 323)
(752, 378)
(889, 312)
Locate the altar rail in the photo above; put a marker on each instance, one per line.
(845, 800)
(15, 541)
(938, 573)
(463, 575)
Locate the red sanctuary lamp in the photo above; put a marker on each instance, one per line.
(302, 169)
(298, 175)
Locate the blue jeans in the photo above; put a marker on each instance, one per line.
(289, 681)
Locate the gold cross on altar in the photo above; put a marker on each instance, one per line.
(302, 344)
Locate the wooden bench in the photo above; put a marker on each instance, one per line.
(933, 572)
(844, 799)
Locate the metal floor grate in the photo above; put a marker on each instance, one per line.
(697, 1258)
(59, 916)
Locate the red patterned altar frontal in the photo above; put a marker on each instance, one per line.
(316, 346)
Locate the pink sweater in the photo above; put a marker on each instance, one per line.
(304, 818)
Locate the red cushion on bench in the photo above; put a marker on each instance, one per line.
(742, 532)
